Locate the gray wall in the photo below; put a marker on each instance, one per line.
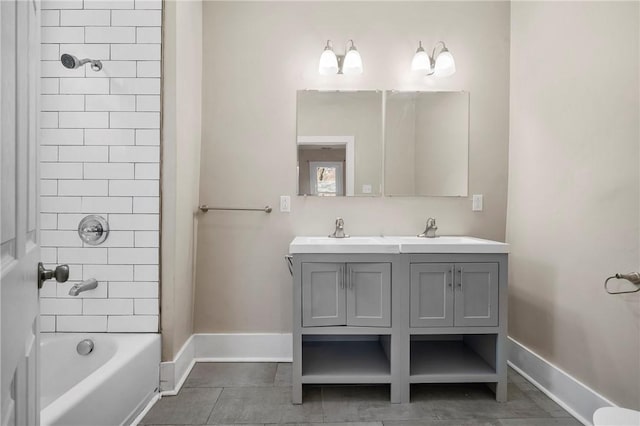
(181, 132)
(256, 55)
(573, 216)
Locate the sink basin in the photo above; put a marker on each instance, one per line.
(448, 244)
(343, 245)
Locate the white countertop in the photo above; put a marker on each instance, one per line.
(396, 244)
(343, 245)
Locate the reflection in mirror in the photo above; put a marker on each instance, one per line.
(426, 144)
(339, 143)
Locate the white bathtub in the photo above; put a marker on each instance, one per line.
(110, 386)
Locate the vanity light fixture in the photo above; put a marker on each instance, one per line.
(330, 63)
(440, 65)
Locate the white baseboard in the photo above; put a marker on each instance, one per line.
(574, 396)
(223, 347)
(254, 347)
(174, 373)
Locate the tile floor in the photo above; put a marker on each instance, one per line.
(260, 393)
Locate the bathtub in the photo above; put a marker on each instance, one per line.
(110, 386)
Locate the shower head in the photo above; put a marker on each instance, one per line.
(71, 62)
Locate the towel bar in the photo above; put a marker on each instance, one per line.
(205, 208)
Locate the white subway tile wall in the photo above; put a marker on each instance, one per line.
(100, 154)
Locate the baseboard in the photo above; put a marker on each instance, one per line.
(254, 347)
(574, 396)
(223, 347)
(174, 373)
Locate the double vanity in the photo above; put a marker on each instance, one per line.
(399, 310)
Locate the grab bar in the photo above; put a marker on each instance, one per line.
(205, 208)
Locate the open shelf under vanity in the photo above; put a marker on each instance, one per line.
(453, 359)
(346, 359)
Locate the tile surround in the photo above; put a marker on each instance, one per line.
(100, 152)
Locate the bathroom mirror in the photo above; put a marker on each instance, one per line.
(339, 143)
(426, 144)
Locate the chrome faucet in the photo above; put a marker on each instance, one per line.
(430, 230)
(339, 232)
(85, 285)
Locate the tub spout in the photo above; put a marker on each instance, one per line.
(85, 285)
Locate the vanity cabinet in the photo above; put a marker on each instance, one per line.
(454, 294)
(353, 294)
(398, 311)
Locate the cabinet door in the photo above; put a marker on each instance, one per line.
(369, 294)
(323, 294)
(431, 295)
(476, 292)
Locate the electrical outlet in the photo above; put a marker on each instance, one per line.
(477, 203)
(285, 203)
(366, 189)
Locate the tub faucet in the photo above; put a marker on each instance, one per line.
(430, 230)
(339, 232)
(85, 285)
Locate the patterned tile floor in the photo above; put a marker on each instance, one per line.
(260, 394)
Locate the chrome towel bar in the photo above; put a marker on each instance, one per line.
(205, 208)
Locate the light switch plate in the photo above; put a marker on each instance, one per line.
(477, 203)
(285, 203)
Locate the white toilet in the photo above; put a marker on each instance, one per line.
(616, 416)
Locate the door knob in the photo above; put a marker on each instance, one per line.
(61, 274)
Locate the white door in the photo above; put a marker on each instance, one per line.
(19, 234)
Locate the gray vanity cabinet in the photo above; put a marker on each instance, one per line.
(323, 294)
(354, 294)
(369, 294)
(432, 295)
(454, 294)
(476, 295)
(371, 314)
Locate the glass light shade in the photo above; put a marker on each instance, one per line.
(352, 62)
(421, 61)
(445, 65)
(328, 62)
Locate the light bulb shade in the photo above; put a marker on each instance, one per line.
(328, 62)
(421, 61)
(445, 65)
(352, 62)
